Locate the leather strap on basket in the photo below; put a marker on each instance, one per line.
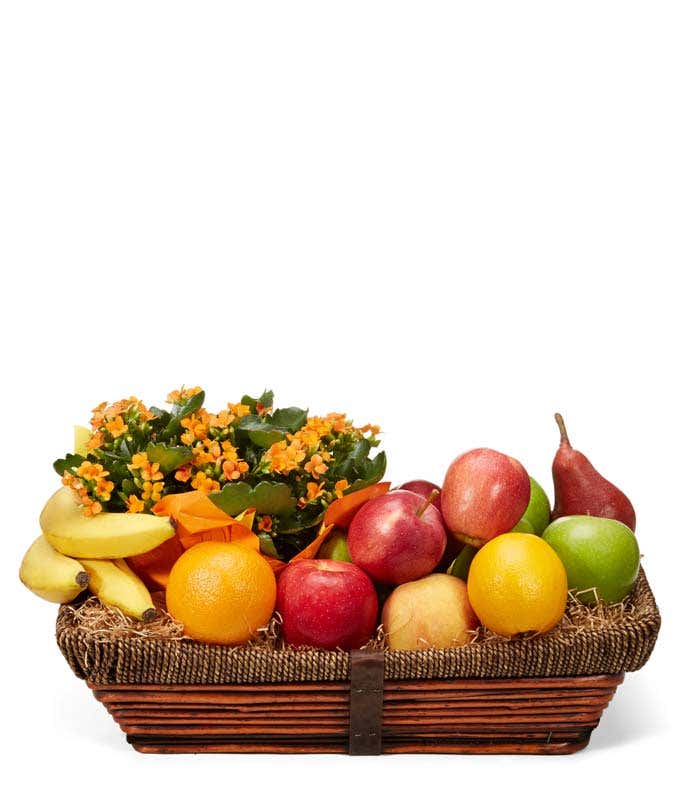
(367, 670)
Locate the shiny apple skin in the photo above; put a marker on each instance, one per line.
(326, 604)
(424, 488)
(485, 493)
(393, 544)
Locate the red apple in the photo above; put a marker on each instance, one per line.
(424, 488)
(326, 604)
(397, 537)
(485, 493)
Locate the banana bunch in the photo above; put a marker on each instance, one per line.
(75, 552)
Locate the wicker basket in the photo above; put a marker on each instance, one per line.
(539, 695)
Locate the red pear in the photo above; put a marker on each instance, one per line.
(580, 490)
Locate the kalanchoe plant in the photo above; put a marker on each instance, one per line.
(287, 465)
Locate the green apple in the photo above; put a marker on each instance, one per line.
(523, 525)
(461, 564)
(538, 509)
(335, 547)
(599, 553)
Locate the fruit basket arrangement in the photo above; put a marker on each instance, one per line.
(246, 581)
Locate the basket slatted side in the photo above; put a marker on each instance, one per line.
(526, 715)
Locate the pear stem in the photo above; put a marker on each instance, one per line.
(428, 502)
(564, 438)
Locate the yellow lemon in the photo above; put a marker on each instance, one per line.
(517, 584)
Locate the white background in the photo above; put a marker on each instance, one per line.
(449, 218)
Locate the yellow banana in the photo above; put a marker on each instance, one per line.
(81, 435)
(51, 575)
(115, 584)
(102, 537)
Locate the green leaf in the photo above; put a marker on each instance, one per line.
(353, 465)
(299, 522)
(268, 498)
(71, 461)
(161, 417)
(373, 472)
(261, 431)
(169, 458)
(127, 487)
(273, 498)
(234, 498)
(181, 411)
(265, 438)
(266, 399)
(267, 545)
(291, 419)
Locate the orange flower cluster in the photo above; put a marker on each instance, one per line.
(215, 459)
(148, 479)
(90, 485)
(309, 450)
(110, 422)
(135, 456)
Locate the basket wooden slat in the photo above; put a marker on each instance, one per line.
(523, 715)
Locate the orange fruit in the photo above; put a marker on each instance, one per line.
(516, 584)
(221, 592)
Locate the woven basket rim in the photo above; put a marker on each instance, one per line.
(623, 647)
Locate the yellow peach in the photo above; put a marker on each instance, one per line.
(433, 612)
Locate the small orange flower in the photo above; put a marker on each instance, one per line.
(183, 474)
(310, 438)
(314, 491)
(319, 425)
(98, 416)
(338, 422)
(315, 466)
(283, 457)
(152, 491)
(206, 453)
(340, 486)
(147, 470)
(115, 427)
(91, 471)
(135, 505)
(103, 489)
(372, 429)
(264, 523)
(229, 451)
(222, 420)
(202, 482)
(238, 409)
(182, 395)
(233, 470)
(196, 427)
(91, 508)
(95, 441)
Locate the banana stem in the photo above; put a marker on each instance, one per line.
(83, 579)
